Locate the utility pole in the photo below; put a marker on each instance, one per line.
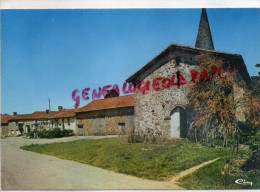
(49, 105)
(49, 111)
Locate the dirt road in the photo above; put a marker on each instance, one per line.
(24, 170)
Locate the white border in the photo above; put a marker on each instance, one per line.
(131, 4)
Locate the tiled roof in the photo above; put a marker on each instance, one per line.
(44, 115)
(109, 103)
(6, 118)
(64, 113)
(35, 115)
(23, 116)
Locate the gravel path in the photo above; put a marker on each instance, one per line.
(191, 170)
(24, 170)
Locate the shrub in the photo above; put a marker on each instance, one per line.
(148, 136)
(246, 130)
(212, 142)
(133, 137)
(55, 133)
(31, 133)
(254, 160)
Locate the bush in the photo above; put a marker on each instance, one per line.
(31, 133)
(55, 133)
(212, 142)
(254, 161)
(148, 136)
(246, 130)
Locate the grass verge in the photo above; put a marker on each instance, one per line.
(145, 160)
(210, 177)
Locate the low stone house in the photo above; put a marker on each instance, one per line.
(106, 116)
(27, 122)
(13, 125)
(4, 124)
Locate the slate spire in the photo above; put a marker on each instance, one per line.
(204, 39)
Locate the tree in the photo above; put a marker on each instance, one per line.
(258, 65)
(216, 96)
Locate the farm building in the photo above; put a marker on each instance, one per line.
(4, 124)
(27, 122)
(13, 125)
(106, 116)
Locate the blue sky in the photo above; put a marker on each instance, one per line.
(49, 53)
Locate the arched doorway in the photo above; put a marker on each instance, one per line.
(178, 123)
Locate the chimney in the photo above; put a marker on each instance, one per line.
(14, 113)
(47, 111)
(76, 106)
(60, 108)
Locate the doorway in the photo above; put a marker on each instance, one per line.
(178, 123)
(28, 128)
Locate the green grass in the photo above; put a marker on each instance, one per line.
(150, 161)
(210, 177)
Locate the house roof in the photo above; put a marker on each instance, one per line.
(6, 118)
(35, 115)
(174, 50)
(66, 113)
(109, 103)
(23, 116)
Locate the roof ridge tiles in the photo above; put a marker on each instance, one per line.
(109, 103)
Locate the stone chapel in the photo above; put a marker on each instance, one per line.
(164, 107)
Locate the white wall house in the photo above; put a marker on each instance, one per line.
(64, 119)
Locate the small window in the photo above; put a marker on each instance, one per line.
(121, 124)
(177, 62)
(80, 126)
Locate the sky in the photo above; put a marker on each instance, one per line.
(46, 54)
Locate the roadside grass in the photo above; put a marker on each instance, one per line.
(151, 161)
(211, 177)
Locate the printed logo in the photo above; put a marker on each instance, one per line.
(243, 182)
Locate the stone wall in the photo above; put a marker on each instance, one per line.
(4, 130)
(99, 126)
(239, 93)
(112, 124)
(105, 122)
(38, 124)
(66, 123)
(87, 126)
(12, 127)
(153, 109)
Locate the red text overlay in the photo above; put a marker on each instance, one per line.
(157, 84)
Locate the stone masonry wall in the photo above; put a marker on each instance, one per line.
(12, 126)
(112, 124)
(152, 109)
(239, 93)
(4, 130)
(105, 121)
(87, 127)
